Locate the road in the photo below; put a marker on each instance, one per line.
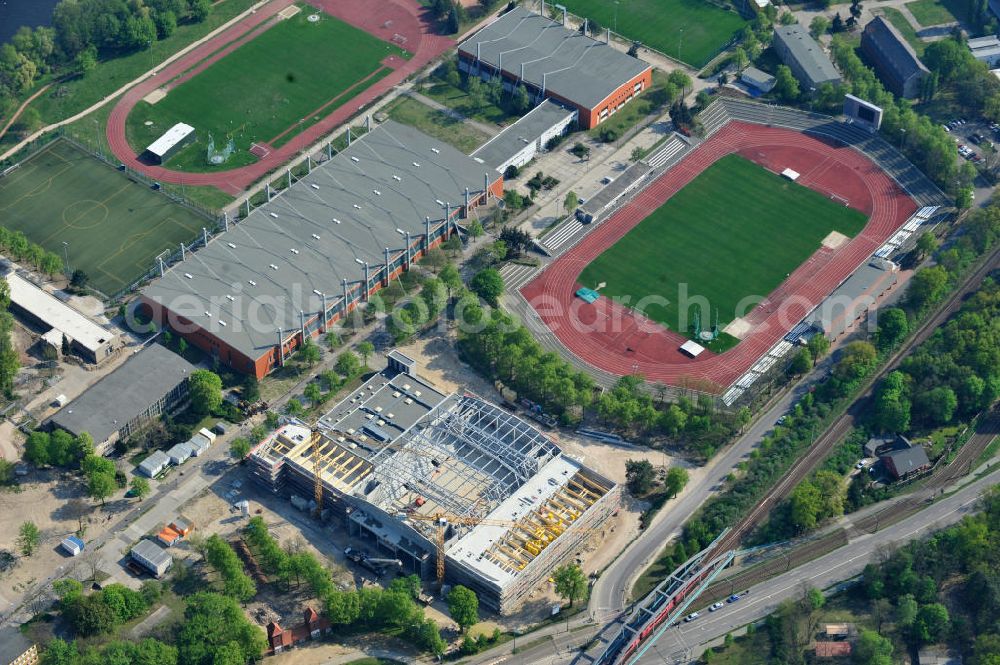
(687, 641)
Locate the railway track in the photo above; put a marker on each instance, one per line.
(843, 424)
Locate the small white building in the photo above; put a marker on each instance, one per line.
(154, 465)
(169, 143)
(519, 143)
(201, 441)
(758, 80)
(986, 49)
(179, 453)
(152, 557)
(72, 545)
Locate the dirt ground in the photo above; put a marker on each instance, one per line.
(43, 498)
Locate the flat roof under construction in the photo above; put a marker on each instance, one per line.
(479, 549)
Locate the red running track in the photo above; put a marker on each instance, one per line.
(611, 337)
(384, 19)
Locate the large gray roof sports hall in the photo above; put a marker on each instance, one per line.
(561, 61)
(257, 277)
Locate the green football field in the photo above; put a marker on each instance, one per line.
(113, 227)
(285, 78)
(736, 230)
(692, 31)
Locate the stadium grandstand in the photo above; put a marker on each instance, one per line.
(550, 60)
(310, 255)
(398, 460)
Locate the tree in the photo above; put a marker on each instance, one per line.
(571, 583)
(347, 364)
(802, 362)
(937, 405)
(872, 649)
(451, 279)
(100, 486)
(475, 229)
(140, 488)
(571, 201)
(838, 24)
(463, 606)
(818, 346)
(366, 349)
(818, 26)
(79, 279)
(309, 353)
(36, 448)
(856, 362)
(453, 23)
(28, 538)
(239, 448)
(313, 393)
(488, 285)
(86, 61)
(892, 328)
(681, 80)
(639, 476)
(931, 624)
(927, 286)
(205, 390)
(166, 23)
(786, 86)
(294, 408)
(805, 503)
(200, 9)
(677, 478)
(212, 623)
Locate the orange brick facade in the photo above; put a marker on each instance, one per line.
(589, 117)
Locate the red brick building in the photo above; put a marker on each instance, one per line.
(313, 626)
(550, 60)
(297, 264)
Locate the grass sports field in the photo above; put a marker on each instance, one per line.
(690, 30)
(114, 227)
(696, 239)
(286, 77)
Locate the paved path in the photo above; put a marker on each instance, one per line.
(393, 16)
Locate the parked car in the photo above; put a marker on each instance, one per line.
(946, 128)
(716, 606)
(691, 617)
(733, 598)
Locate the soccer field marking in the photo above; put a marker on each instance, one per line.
(43, 186)
(132, 240)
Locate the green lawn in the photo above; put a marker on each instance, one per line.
(458, 99)
(114, 227)
(692, 31)
(930, 12)
(736, 230)
(436, 123)
(283, 80)
(909, 34)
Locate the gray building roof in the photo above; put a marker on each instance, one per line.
(757, 78)
(152, 552)
(125, 393)
(907, 460)
(154, 463)
(576, 67)
(807, 53)
(528, 129)
(894, 59)
(260, 274)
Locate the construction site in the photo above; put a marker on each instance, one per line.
(449, 487)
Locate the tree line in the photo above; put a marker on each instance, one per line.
(370, 607)
(10, 361)
(942, 589)
(948, 378)
(214, 631)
